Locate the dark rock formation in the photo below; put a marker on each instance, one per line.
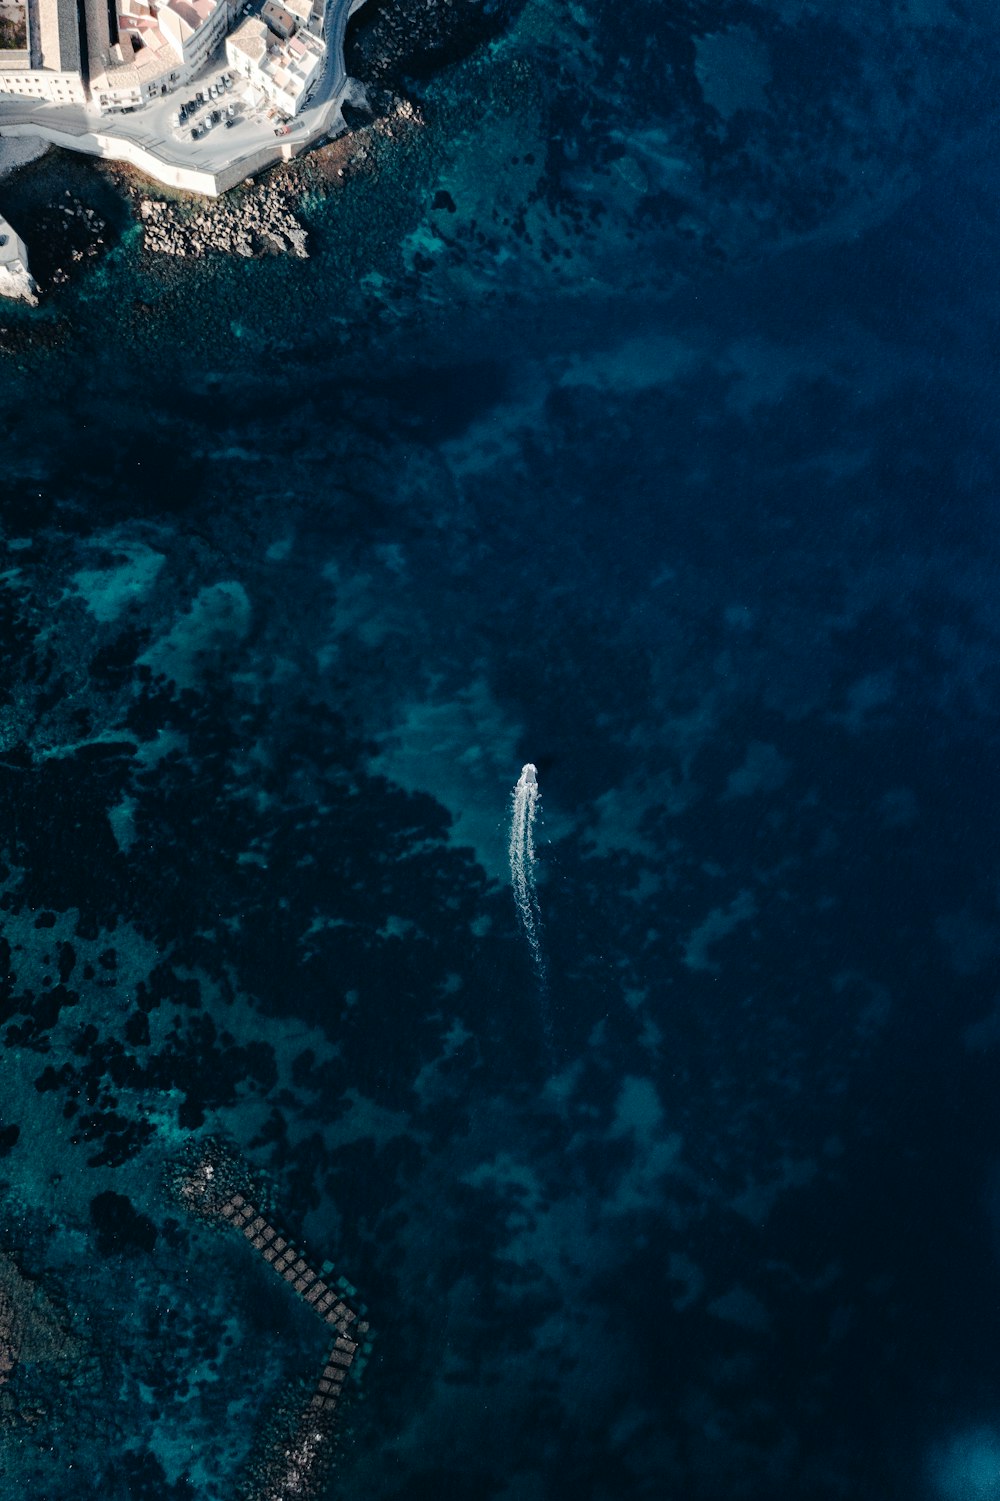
(257, 222)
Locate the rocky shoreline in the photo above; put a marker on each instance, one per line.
(261, 222)
(260, 218)
(83, 235)
(389, 46)
(396, 43)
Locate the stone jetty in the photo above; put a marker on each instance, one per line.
(214, 1186)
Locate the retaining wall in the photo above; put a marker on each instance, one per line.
(193, 179)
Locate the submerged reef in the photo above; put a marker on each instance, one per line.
(32, 1330)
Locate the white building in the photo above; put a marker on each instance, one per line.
(246, 49)
(50, 67)
(291, 69)
(128, 51)
(161, 44)
(309, 14)
(16, 279)
(283, 68)
(18, 77)
(195, 28)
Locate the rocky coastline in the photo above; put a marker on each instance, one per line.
(81, 235)
(261, 222)
(397, 44)
(385, 46)
(16, 281)
(262, 217)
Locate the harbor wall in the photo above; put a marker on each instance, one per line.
(192, 179)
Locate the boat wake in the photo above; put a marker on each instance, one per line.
(524, 807)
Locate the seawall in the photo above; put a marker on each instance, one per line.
(172, 175)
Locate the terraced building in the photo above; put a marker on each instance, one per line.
(112, 57)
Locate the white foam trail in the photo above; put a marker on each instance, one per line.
(524, 806)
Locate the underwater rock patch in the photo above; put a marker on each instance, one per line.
(31, 1329)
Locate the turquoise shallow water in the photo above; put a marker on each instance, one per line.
(633, 417)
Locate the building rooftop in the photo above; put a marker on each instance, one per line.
(290, 65)
(279, 17)
(129, 66)
(193, 13)
(250, 39)
(59, 35)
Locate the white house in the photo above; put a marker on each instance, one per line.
(129, 51)
(18, 77)
(194, 28)
(291, 68)
(246, 49)
(161, 44)
(309, 14)
(283, 68)
(54, 39)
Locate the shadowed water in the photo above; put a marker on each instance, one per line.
(635, 413)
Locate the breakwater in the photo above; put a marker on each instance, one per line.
(214, 1187)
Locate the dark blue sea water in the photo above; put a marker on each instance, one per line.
(635, 417)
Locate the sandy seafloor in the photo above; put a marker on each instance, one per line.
(637, 417)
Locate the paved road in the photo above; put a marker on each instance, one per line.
(220, 149)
